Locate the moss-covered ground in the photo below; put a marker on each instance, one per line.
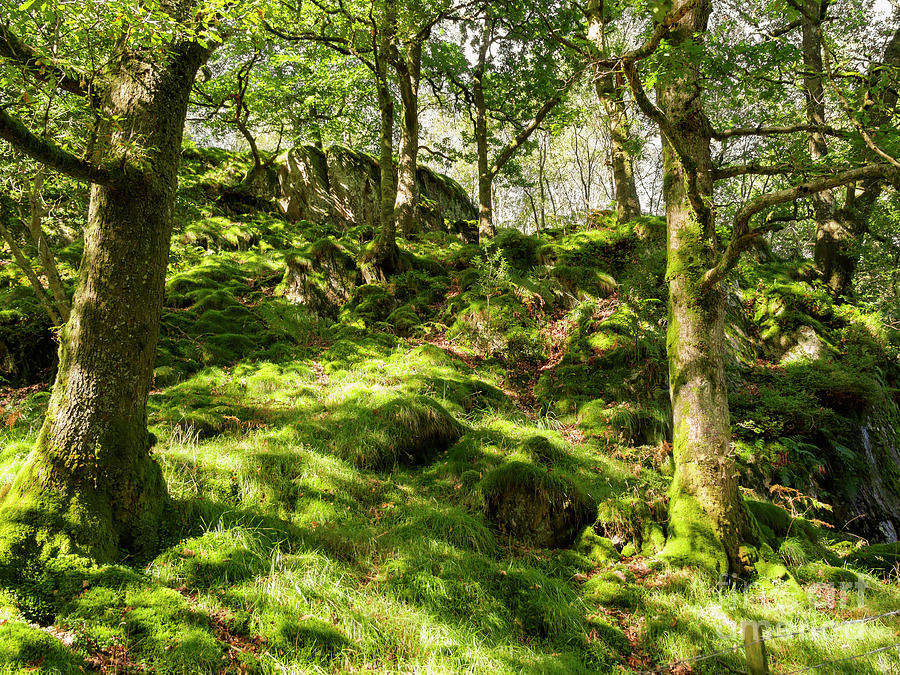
(463, 470)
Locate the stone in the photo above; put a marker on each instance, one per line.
(341, 186)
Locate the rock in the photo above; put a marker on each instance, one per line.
(304, 187)
(341, 186)
(534, 506)
(807, 346)
(322, 277)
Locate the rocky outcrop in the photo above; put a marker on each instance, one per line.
(341, 186)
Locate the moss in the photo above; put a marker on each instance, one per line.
(503, 326)
(25, 648)
(541, 450)
(882, 558)
(634, 521)
(535, 506)
(583, 282)
(374, 433)
(691, 540)
(599, 550)
(372, 303)
(821, 573)
(404, 320)
(519, 249)
(608, 590)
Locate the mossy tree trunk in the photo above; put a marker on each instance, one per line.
(610, 88)
(90, 485)
(383, 258)
(485, 176)
(832, 257)
(610, 91)
(836, 250)
(708, 523)
(408, 67)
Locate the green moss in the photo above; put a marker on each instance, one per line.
(608, 590)
(541, 508)
(25, 648)
(882, 558)
(691, 540)
(599, 550)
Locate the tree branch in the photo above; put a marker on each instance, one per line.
(47, 152)
(742, 235)
(826, 60)
(44, 68)
(753, 169)
(526, 131)
(775, 131)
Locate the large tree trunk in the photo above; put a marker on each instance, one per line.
(832, 257)
(408, 67)
(90, 485)
(707, 519)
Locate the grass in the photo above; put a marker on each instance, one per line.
(372, 494)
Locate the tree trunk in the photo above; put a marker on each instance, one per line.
(383, 258)
(707, 519)
(48, 263)
(610, 90)
(831, 255)
(405, 208)
(90, 485)
(610, 93)
(836, 248)
(485, 176)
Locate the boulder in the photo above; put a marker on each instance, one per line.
(341, 186)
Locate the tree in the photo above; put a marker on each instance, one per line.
(387, 37)
(610, 87)
(707, 520)
(512, 76)
(838, 229)
(90, 485)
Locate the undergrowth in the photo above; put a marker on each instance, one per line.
(464, 469)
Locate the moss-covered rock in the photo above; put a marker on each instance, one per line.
(535, 506)
(601, 551)
(634, 521)
(882, 558)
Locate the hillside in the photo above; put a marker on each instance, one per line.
(465, 469)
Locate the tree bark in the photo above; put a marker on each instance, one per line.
(384, 257)
(408, 68)
(831, 255)
(610, 93)
(610, 90)
(707, 520)
(90, 486)
(485, 177)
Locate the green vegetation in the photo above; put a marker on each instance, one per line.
(463, 469)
